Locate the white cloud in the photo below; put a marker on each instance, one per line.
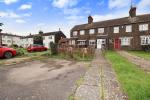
(8, 1)
(113, 15)
(144, 4)
(3, 14)
(9, 15)
(119, 3)
(20, 21)
(25, 7)
(64, 3)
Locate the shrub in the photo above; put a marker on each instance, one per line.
(21, 51)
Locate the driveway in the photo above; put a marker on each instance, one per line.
(40, 80)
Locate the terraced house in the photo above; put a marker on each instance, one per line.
(129, 33)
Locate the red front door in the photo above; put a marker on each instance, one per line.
(117, 44)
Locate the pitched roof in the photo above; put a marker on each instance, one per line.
(7, 34)
(114, 22)
(45, 34)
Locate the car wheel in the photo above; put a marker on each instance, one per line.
(8, 55)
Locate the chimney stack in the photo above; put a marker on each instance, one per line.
(90, 20)
(132, 12)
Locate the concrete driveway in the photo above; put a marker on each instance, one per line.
(40, 80)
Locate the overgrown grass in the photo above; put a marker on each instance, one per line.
(143, 54)
(134, 81)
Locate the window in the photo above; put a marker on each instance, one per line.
(145, 40)
(116, 29)
(91, 42)
(75, 33)
(81, 42)
(129, 28)
(92, 31)
(82, 32)
(8, 41)
(50, 37)
(125, 41)
(72, 42)
(143, 27)
(100, 30)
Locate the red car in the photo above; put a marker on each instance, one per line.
(33, 48)
(6, 52)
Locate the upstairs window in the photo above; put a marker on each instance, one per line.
(50, 37)
(129, 28)
(116, 29)
(100, 30)
(75, 33)
(82, 32)
(143, 27)
(91, 31)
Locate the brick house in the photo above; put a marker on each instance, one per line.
(129, 33)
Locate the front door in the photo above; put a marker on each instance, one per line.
(100, 43)
(117, 44)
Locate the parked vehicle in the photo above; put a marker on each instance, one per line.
(34, 48)
(6, 52)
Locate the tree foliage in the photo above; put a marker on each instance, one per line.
(38, 39)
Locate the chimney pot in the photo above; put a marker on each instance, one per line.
(132, 12)
(90, 20)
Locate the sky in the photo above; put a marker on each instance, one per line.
(22, 17)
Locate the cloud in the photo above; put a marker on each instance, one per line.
(144, 4)
(9, 15)
(8, 1)
(119, 3)
(20, 21)
(64, 3)
(25, 7)
(113, 15)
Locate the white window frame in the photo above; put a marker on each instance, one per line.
(116, 29)
(92, 42)
(125, 41)
(72, 42)
(75, 33)
(128, 28)
(145, 40)
(101, 30)
(81, 42)
(143, 27)
(91, 31)
(82, 32)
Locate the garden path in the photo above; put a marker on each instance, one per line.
(141, 62)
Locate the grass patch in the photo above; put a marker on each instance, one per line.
(143, 54)
(134, 82)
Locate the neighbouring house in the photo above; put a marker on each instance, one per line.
(47, 38)
(10, 39)
(25, 41)
(128, 33)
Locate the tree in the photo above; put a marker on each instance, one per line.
(1, 24)
(38, 39)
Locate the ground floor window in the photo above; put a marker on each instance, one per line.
(145, 40)
(72, 42)
(125, 41)
(81, 42)
(92, 42)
